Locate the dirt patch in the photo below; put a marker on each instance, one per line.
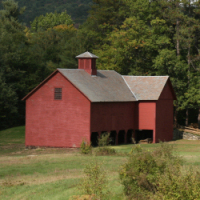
(41, 179)
(20, 149)
(40, 150)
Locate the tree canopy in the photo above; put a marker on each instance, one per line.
(50, 20)
(135, 37)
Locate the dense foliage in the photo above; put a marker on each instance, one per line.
(150, 38)
(34, 8)
(136, 37)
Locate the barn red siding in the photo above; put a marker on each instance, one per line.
(112, 116)
(147, 115)
(164, 115)
(167, 92)
(57, 123)
(164, 120)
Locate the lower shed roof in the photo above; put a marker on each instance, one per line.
(146, 87)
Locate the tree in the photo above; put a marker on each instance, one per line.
(50, 20)
(8, 104)
(12, 41)
(152, 38)
(104, 17)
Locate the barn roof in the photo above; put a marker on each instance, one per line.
(146, 87)
(107, 86)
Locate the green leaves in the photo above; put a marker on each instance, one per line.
(50, 20)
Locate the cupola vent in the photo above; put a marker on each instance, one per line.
(87, 61)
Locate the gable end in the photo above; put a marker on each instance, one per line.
(48, 78)
(40, 85)
(168, 91)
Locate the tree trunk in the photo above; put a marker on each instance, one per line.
(175, 118)
(177, 40)
(199, 119)
(186, 117)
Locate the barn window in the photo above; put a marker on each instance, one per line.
(58, 93)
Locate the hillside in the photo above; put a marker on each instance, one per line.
(78, 9)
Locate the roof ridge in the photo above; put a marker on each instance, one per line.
(144, 76)
(87, 54)
(68, 69)
(129, 88)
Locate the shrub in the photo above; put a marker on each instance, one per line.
(104, 139)
(94, 183)
(103, 143)
(85, 147)
(176, 184)
(158, 174)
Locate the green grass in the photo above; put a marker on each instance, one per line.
(12, 140)
(12, 136)
(53, 173)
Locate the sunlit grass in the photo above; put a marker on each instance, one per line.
(53, 173)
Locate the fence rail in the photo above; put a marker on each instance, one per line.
(190, 130)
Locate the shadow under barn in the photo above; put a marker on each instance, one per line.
(112, 139)
(129, 136)
(144, 135)
(121, 137)
(94, 139)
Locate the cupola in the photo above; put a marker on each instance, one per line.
(87, 61)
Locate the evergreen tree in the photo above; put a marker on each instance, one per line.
(12, 42)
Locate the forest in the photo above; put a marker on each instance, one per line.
(77, 9)
(135, 37)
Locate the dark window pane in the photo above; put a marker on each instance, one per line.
(58, 93)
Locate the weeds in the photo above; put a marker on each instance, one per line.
(85, 147)
(103, 151)
(94, 183)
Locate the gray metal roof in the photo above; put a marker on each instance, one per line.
(107, 86)
(87, 55)
(146, 87)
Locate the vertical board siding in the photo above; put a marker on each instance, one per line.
(164, 113)
(164, 122)
(112, 116)
(57, 123)
(147, 115)
(167, 92)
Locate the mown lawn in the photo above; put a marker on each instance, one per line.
(53, 173)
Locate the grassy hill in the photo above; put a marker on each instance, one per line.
(12, 140)
(78, 9)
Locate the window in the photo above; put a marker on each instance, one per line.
(58, 93)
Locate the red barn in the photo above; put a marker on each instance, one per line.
(75, 104)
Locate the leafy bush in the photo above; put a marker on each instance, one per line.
(158, 174)
(176, 184)
(85, 147)
(103, 143)
(104, 139)
(94, 183)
